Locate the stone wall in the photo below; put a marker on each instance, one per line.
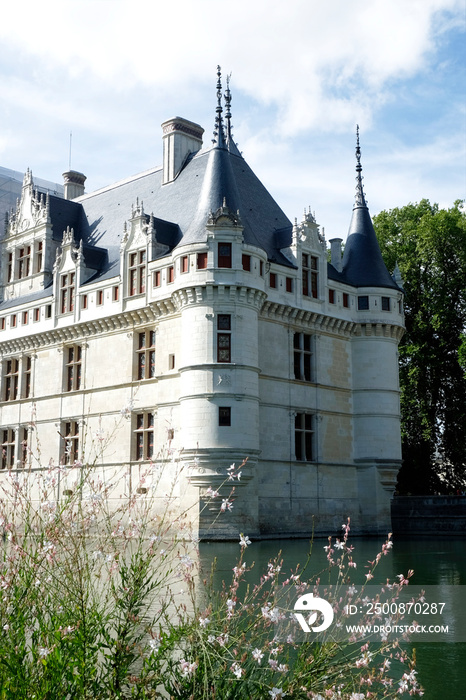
(429, 515)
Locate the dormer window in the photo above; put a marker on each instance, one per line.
(137, 273)
(38, 257)
(67, 292)
(310, 275)
(24, 260)
(10, 267)
(224, 254)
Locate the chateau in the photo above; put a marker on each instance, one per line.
(182, 312)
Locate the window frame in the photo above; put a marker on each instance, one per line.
(224, 338)
(70, 436)
(303, 357)
(144, 433)
(137, 263)
(67, 292)
(224, 258)
(304, 437)
(224, 416)
(145, 355)
(73, 367)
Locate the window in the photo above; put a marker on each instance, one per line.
(171, 361)
(304, 437)
(302, 357)
(24, 260)
(48, 311)
(10, 267)
(385, 303)
(146, 355)
(331, 296)
(73, 367)
(13, 321)
(363, 303)
(2, 323)
(38, 256)
(289, 284)
(67, 293)
(261, 268)
(115, 293)
(10, 379)
(224, 338)
(201, 261)
(246, 263)
(25, 318)
(170, 274)
(273, 280)
(144, 436)
(84, 301)
(8, 448)
(345, 300)
(37, 314)
(23, 447)
(224, 254)
(70, 442)
(184, 263)
(157, 278)
(224, 415)
(27, 370)
(310, 275)
(137, 273)
(100, 297)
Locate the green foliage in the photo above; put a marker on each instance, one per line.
(101, 599)
(429, 246)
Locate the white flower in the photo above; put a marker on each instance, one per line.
(237, 670)
(276, 693)
(339, 545)
(186, 560)
(204, 621)
(244, 540)
(257, 655)
(230, 604)
(154, 645)
(43, 652)
(226, 505)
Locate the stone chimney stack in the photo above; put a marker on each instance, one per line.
(335, 253)
(180, 138)
(74, 184)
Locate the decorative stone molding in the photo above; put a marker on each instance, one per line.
(307, 319)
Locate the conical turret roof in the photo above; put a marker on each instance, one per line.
(363, 265)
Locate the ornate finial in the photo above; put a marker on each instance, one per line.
(219, 135)
(360, 199)
(228, 108)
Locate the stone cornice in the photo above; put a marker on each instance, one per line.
(80, 331)
(379, 330)
(307, 319)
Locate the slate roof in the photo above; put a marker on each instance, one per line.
(181, 207)
(362, 264)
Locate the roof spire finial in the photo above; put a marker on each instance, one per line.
(219, 135)
(359, 199)
(228, 108)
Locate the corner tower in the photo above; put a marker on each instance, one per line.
(375, 379)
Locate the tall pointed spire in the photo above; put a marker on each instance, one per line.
(228, 109)
(219, 134)
(363, 265)
(360, 200)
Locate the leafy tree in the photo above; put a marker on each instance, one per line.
(429, 246)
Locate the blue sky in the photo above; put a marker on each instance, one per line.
(303, 74)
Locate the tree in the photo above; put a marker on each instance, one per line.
(429, 246)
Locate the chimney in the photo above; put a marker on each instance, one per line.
(335, 253)
(180, 138)
(74, 184)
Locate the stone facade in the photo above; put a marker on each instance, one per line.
(222, 329)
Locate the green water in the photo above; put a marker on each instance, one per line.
(441, 667)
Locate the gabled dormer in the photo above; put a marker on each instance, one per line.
(67, 271)
(28, 250)
(139, 245)
(308, 253)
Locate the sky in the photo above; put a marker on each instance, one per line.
(304, 73)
